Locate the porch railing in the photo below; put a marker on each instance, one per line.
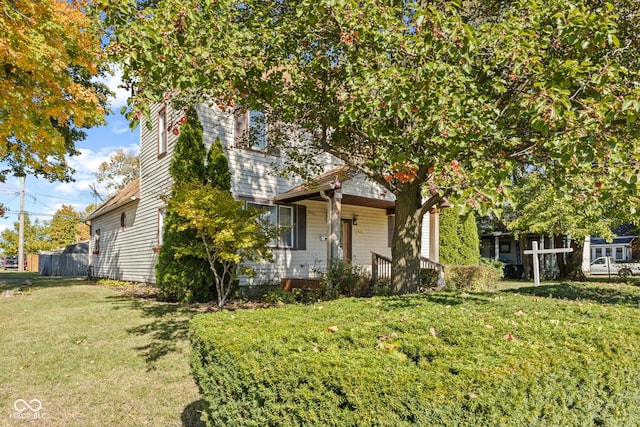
(381, 268)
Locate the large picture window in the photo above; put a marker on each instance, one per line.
(291, 223)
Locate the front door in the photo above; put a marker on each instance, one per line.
(346, 240)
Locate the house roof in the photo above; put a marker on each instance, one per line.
(128, 194)
(329, 182)
(621, 240)
(332, 180)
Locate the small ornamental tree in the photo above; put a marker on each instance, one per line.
(228, 233)
(459, 241)
(183, 277)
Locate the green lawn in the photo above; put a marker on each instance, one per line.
(92, 356)
(98, 356)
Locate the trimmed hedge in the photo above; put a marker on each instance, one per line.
(471, 277)
(432, 359)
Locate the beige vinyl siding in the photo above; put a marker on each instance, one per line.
(133, 259)
(118, 257)
(370, 235)
(131, 254)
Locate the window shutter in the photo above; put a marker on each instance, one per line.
(301, 227)
(391, 219)
(241, 124)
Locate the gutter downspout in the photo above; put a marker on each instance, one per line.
(326, 198)
(90, 271)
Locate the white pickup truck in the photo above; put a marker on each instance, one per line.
(607, 265)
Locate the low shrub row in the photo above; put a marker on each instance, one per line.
(481, 277)
(444, 358)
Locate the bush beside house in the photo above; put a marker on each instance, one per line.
(184, 277)
(459, 241)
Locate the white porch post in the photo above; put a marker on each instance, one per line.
(434, 235)
(336, 213)
(586, 255)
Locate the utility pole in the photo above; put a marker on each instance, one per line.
(21, 230)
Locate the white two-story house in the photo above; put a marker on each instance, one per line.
(342, 214)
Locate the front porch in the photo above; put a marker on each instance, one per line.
(381, 268)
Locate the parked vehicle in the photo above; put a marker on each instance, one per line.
(12, 262)
(607, 265)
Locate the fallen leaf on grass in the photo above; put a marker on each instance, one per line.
(488, 326)
(332, 329)
(433, 332)
(510, 337)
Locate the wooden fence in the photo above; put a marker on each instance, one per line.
(68, 265)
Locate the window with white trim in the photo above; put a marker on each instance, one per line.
(162, 131)
(96, 241)
(251, 130)
(291, 223)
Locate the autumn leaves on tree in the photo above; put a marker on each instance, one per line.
(50, 57)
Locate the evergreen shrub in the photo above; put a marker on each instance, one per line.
(434, 359)
(459, 240)
(471, 277)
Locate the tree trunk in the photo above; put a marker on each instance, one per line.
(407, 242)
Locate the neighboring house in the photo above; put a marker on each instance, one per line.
(342, 214)
(502, 245)
(621, 248)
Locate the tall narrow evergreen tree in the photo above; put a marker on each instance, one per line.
(184, 277)
(217, 173)
(459, 241)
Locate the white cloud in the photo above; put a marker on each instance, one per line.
(114, 82)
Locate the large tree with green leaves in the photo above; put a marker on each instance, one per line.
(36, 237)
(64, 228)
(428, 98)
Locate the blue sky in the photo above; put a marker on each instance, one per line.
(44, 198)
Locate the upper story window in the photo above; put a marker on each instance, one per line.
(162, 131)
(250, 130)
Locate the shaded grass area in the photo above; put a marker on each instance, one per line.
(93, 356)
(554, 355)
